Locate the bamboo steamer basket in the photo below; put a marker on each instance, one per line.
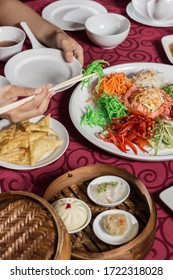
(30, 229)
(85, 245)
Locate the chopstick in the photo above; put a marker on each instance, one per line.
(60, 86)
(72, 81)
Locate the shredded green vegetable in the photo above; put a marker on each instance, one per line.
(169, 90)
(106, 108)
(103, 186)
(94, 67)
(162, 137)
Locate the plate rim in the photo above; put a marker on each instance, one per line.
(108, 146)
(14, 166)
(67, 2)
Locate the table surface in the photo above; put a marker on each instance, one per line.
(142, 45)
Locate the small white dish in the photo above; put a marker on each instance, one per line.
(4, 81)
(66, 203)
(121, 190)
(146, 20)
(167, 197)
(167, 43)
(129, 234)
(11, 41)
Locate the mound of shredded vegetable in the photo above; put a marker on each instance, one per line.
(114, 84)
(169, 90)
(149, 78)
(133, 112)
(106, 108)
(162, 137)
(94, 67)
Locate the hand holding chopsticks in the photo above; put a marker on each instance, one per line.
(60, 86)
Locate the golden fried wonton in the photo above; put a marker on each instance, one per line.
(17, 157)
(27, 142)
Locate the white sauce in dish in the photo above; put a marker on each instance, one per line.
(72, 212)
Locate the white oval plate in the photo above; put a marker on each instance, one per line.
(118, 188)
(48, 157)
(146, 20)
(3, 81)
(129, 234)
(78, 104)
(166, 41)
(37, 67)
(71, 14)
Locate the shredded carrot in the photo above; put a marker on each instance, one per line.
(114, 84)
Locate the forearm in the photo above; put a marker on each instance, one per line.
(12, 12)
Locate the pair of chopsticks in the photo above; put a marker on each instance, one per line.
(60, 86)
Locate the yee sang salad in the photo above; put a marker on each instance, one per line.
(134, 112)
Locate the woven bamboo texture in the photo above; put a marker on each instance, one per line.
(28, 231)
(85, 245)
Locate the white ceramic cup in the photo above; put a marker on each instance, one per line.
(155, 9)
(11, 41)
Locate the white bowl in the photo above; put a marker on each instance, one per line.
(11, 41)
(67, 201)
(121, 190)
(107, 30)
(167, 43)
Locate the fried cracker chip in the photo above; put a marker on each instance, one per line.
(41, 146)
(37, 135)
(31, 127)
(17, 157)
(7, 133)
(27, 142)
(44, 121)
(20, 140)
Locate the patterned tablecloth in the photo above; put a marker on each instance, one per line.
(142, 45)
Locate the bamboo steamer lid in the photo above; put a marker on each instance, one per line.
(30, 229)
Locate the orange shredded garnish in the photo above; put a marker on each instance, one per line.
(114, 84)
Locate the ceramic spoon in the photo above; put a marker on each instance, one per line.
(158, 9)
(34, 42)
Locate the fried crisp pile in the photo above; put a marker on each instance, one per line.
(27, 142)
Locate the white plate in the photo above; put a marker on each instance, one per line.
(71, 14)
(122, 189)
(77, 107)
(167, 197)
(3, 81)
(129, 234)
(49, 157)
(166, 41)
(146, 20)
(37, 67)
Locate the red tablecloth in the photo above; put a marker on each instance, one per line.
(142, 44)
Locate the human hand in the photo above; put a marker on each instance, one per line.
(37, 106)
(70, 47)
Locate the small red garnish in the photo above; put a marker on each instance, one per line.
(68, 205)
